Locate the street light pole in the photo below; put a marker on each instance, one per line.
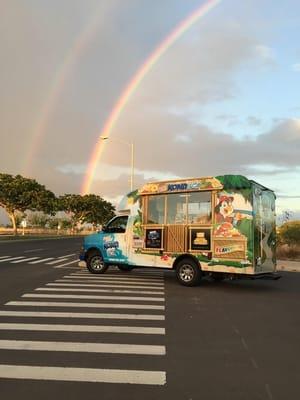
(132, 167)
(132, 157)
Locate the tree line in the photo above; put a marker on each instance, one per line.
(19, 194)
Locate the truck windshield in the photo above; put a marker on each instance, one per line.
(117, 225)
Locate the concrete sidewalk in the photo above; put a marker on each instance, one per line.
(286, 265)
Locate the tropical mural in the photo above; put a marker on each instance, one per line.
(238, 235)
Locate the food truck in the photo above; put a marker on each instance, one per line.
(220, 227)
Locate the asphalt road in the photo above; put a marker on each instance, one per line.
(231, 340)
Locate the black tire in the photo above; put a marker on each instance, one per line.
(95, 263)
(188, 272)
(125, 268)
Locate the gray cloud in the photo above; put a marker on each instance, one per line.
(198, 70)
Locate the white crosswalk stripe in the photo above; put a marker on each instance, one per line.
(108, 285)
(24, 260)
(68, 255)
(120, 278)
(94, 297)
(58, 260)
(84, 305)
(41, 260)
(130, 302)
(111, 280)
(11, 259)
(65, 264)
(137, 377)
(50, 314)
(84, 328)
(114, 348)
(78, 285)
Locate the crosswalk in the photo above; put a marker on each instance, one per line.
(64, 261)
(118, 319)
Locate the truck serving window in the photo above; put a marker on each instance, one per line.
(176, 208)
(156, 210)
(199, 208)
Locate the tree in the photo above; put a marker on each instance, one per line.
(98, 211)
(38, 219)
(18, 194)
(289, 233)
(88, 208)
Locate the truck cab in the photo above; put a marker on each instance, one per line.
(106, 247)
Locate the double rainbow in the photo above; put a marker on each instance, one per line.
(134, 83)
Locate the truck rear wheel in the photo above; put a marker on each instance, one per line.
(95, 263)
(188, 272)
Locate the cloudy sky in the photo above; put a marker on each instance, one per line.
(224, 98)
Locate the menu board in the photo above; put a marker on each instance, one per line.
(199, 239)
(154, 238)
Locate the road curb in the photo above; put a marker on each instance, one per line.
(288, 266)
(39, 239)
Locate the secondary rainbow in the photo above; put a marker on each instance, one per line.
(56, 86)
(134, 83)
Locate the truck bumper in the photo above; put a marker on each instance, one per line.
(82, 264)
(267, 276)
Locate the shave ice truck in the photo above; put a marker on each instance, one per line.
(220, 226)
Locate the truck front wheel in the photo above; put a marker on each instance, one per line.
(95, 263)
(188, 272)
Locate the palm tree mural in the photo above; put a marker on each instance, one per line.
(234, 183)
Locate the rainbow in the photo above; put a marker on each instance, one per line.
(56, 86)
(134, 83)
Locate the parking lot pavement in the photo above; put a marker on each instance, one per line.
(43, 314)
(65, 332)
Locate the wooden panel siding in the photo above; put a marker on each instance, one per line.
(176, 238)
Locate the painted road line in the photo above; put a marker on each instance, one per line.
(48, 314)
(58, 260)
(69, 263)
(146, 273)
(116, 279)
(132, 273)
(111, 280)
(84, 305)
(83, 374)
(32, 251)
(143, 330)
(41, 260)
(24, 260)
(4, 257)
(90, 297)
(59, 285)
(11, 258)
(120, 275)
(111, 348)
(110, 285)
(58, 288)
(68, 255)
